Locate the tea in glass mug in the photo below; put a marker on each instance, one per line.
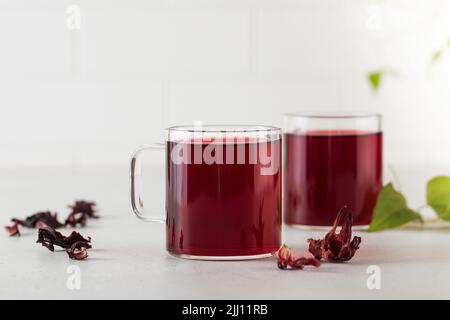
(223, 191)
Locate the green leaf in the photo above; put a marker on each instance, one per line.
(375, 79)
(436, 56)
(391, 210)
(438, 196)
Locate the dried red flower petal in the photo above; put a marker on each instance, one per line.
(75, 244)
(337, 247)
(37, 220)
(81, 212)
(76, 218)
(76, 237)
(300, 263)
(86, 207)
(284, 256)
(286, 259)
(78, 250)
(45, 217)
(13, 230)
(40, 224)
(49, 237)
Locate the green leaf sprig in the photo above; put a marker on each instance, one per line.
(438, 196)
(375, 79)
(392, 211)
(437, 54)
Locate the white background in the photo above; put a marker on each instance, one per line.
(77, 98)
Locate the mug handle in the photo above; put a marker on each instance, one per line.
(135, 178)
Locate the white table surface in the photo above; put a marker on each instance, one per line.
(129, 261)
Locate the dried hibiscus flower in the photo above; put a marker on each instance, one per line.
(286, 259)
(75, 244)
(37, 220)
(86, 207)
(81, 212)
(337, 247)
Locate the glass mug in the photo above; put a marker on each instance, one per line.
(331, 161)
(223, 191)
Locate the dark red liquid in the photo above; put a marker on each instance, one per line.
(223, 209)
(326, 170)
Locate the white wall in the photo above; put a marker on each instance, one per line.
(89, 96)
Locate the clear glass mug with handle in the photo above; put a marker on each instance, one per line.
(223, 191)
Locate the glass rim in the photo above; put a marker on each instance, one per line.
(335, 115)
(223, 128)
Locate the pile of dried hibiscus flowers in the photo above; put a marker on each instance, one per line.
(335, 247)
(75, 244)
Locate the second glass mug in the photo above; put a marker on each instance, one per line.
(331, 160)
(223, 191)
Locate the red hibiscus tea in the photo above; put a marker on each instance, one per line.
(223, 196)
(327, 169)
